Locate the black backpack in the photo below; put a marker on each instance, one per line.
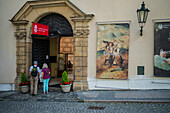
(34, 71)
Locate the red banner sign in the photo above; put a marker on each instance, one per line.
(40, 29)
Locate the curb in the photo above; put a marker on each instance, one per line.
(127, 101)
(6, 94)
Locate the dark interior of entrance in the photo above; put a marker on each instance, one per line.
(56, 49)
(40, 51)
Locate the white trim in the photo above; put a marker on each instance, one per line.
(130, 84)
(161, 20)
(114, 22)
(7, 87)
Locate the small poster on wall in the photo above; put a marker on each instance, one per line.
(162, 49)
(112, 51)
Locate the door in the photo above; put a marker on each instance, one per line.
(40, 51)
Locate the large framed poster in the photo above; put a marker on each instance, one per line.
(112, 50)
(162, 49)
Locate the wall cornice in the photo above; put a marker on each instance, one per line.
(30, 5)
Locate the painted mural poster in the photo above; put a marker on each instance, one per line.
(162, 49)
(112, 51)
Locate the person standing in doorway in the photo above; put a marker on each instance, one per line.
(40, 82)
(34, 73)
(45, 77)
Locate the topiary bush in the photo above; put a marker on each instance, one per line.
(65, 80)
(23, 78)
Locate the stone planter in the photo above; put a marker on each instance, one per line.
(66, 88)
(24, 89)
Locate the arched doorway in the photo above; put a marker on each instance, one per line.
(56, 49)
(34, 11)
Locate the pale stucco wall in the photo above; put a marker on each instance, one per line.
(8, 8)
(141, 49)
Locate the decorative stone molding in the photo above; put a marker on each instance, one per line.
(20, 22)
(21, 34)
(81, 32)
(85, 18)
(29, 6)
(20, 28)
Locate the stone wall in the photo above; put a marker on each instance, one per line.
(21, 52)
(66, 45)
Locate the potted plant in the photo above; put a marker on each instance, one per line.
(24, 85)
(65, 83)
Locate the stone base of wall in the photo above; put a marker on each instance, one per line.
(16, 82)
(80, 86)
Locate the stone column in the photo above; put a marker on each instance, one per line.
(80, 38)
(20, 35)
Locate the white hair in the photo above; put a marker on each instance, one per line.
(45, 65)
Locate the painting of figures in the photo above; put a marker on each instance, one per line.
(162, 49)
(112, 51)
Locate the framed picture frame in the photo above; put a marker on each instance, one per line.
(112, 50)
(162, 49)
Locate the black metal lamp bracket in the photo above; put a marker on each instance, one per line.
(141, 30)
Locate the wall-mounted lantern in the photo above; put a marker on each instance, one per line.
(142, 15)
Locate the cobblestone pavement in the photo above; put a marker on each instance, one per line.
(54, 95)
(79, 107)
(56, 102)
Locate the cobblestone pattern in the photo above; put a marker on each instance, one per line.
(54, 95)
(77, 107)
(6, 94)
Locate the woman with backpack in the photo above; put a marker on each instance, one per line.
(45, 77)
(34, 72)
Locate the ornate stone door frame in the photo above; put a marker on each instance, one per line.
(33, 11)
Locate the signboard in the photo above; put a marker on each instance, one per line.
(40, 29)
(112, 51)
(162, 49)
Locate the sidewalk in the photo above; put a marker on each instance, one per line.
(149, 96)
(56, 95)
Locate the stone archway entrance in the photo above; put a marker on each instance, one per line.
(35, 10)
(55, 49)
